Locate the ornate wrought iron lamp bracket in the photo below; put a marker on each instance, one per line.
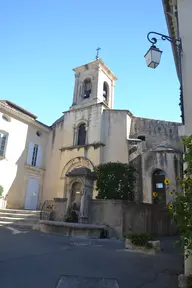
(154, 40)
(178, 43)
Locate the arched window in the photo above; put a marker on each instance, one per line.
(87, 86)
(81, 140)
(158, 187)
(105, 91)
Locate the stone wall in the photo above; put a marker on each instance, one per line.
(147, 218)
(59, 208)
(138, 192)
(156, 132)
(110, 213)
(169, 162)
(122, 218)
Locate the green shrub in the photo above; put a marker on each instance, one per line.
(72, 217)
(1, 191)
(104, 234)
(189, 282)
(140, 239)
(115, 180)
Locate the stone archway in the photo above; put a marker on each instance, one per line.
(77, 162)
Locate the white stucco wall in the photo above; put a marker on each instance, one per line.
(14, 173)
(185, 23)
(115, 132)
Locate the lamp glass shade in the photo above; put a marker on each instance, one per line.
(153, 57)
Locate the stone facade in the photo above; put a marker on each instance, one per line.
(90, 133)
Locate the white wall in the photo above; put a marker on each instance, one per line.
(17, 131)
(115, 130)
(185, 24)
(14, 173)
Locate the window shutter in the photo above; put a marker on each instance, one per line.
(30, 153)
(39, 156)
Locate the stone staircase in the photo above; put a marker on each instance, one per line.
(22, 219)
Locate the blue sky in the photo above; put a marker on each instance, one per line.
(42, 40)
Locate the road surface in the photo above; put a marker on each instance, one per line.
(35, 259)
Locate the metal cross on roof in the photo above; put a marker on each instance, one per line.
(97, 56)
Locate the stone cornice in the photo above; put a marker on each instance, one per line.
(172, 27)
(94, 63)
(28, 119)
(34, 168)
(95, 145)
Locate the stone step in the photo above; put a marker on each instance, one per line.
(19, 211)
(17, 219)
(22, 219)
(14, 215)
(18, 215)
(17, 225)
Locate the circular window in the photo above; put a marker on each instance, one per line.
(38, 133)
(6, 118)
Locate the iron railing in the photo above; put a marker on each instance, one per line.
(47, 210)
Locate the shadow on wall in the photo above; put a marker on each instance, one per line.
(16, 194)
(123, 218)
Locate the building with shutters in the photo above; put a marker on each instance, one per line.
(44, 162)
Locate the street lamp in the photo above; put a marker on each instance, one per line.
(153, 57)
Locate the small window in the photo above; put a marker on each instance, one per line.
(142, 137)
(34, 157)
(6, 118)
(159, 185)
(38, 133)
(3, 143)
(81, 140)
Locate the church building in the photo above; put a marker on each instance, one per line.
(39, 163)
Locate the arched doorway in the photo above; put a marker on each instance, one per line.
(158, 187)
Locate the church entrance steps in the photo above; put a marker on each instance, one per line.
(20, 211)
(19, 218)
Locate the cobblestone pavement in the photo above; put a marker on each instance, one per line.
(36, 259)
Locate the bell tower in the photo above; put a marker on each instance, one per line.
(94, 83)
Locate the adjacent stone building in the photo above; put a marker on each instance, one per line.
(58, 161)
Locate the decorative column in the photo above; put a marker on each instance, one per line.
(69, 198)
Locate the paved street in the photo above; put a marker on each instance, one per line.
(35, 259)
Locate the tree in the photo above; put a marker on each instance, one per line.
(181, 204)
(115, 181)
